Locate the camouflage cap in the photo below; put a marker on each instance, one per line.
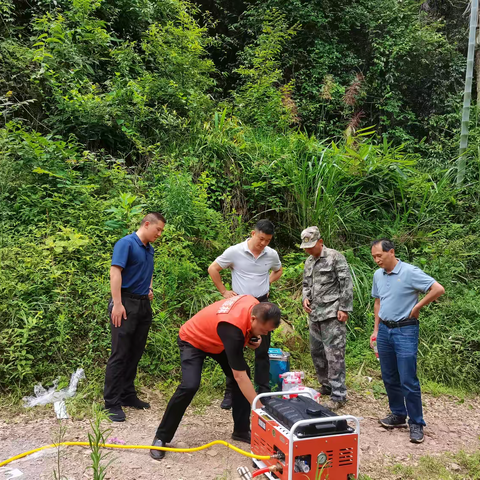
(310, 237)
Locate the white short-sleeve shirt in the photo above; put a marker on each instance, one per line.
(250, 275)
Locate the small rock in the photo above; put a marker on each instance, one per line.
(212, 453)
(455, 467)
(181, 445)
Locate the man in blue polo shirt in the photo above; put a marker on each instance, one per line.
(130, 313)
(396, 287)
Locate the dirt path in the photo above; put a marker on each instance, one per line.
(452, 426)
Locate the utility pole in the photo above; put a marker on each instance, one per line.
(467, 97)
(477, 61)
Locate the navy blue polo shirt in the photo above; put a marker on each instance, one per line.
(136, 259)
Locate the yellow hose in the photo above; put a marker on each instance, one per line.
(139, 447)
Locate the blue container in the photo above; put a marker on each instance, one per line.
(279, 363)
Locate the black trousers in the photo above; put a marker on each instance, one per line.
(262, 362)
(128, 344)
(192, 363)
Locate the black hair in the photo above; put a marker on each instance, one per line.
(153, 217)
(387, 244)
(265, 226)
(267, 312)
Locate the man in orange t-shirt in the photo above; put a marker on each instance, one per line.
(219, 331)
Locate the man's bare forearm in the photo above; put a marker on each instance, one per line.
(274, 276)
(216, 279)
(116, 284)
(376, 310)
(436, 291)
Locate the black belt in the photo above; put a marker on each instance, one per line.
(401, 323)
(263, 298)
(126, 293)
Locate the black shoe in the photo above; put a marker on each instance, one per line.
(135, 402)
(242, 437)
(416, 433)
(325, 390)
(157, 454)
(116, 414)
(393, 421)
(227, 401)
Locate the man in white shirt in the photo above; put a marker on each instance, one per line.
(255, 266)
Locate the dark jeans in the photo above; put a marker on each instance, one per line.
(192, 362)
(397, 350)
(262, 362)
(128, 344)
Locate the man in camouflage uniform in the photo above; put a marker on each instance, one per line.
(327, 298)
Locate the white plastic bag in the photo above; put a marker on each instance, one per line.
(316, 395)
(61, 410)
(44, 397)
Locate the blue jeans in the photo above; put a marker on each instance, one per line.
(397, 350)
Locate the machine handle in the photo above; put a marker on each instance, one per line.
(313, 421)
(276, 394)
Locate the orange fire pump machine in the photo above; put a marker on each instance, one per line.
(307, 440)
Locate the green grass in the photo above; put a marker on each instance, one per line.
(448, 466)
(437, 389)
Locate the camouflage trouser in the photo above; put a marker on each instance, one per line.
(327, 346)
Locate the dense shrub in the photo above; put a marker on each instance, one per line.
(111, 109)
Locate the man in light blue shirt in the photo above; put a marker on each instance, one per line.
(396, 288)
